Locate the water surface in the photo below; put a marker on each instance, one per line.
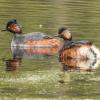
(40, 77)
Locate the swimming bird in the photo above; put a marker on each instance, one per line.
(33, 39)
(72, 49)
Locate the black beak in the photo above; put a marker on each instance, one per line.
(59, 35)
(56, 36)
(4, 30)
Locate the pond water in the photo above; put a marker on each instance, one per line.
(42, 77)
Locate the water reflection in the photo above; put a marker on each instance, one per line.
(28, 53)
(80, 64)
(12, 64)
(77, 65)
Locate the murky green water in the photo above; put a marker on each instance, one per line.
(40, 78)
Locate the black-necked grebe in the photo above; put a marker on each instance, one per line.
(34, 39)
(76, 49)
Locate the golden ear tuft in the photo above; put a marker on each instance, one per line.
(67, 34)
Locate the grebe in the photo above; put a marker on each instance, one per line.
(34, 39)
(76, 49)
